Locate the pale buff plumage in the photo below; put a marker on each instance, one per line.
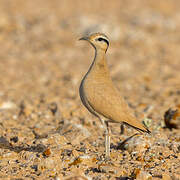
(100, 96)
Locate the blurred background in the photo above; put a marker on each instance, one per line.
(39, 42)
(42, 63)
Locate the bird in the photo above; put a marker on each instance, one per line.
(99, 95)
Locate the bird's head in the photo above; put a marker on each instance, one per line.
(97, 40)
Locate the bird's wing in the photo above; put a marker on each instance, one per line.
(105, 99)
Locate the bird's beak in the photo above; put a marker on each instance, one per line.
(84, 38)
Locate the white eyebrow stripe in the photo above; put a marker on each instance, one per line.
(104, 39)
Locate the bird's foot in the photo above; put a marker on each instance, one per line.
(104, 158)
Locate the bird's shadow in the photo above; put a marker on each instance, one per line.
(5, 144)
(121, 145)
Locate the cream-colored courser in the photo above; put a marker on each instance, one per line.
(99, 95)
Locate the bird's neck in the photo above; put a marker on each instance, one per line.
(99, 63)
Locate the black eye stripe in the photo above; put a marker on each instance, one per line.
(102, 39)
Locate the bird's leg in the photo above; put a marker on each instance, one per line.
(122, 129)
(107, 140)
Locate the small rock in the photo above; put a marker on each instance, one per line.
(7, 105)
(106, 168)
(143, 176)
(166, 176)
(77, 178)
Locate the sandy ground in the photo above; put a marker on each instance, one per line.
(45, 132)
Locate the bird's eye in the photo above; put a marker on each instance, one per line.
(100, 39)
